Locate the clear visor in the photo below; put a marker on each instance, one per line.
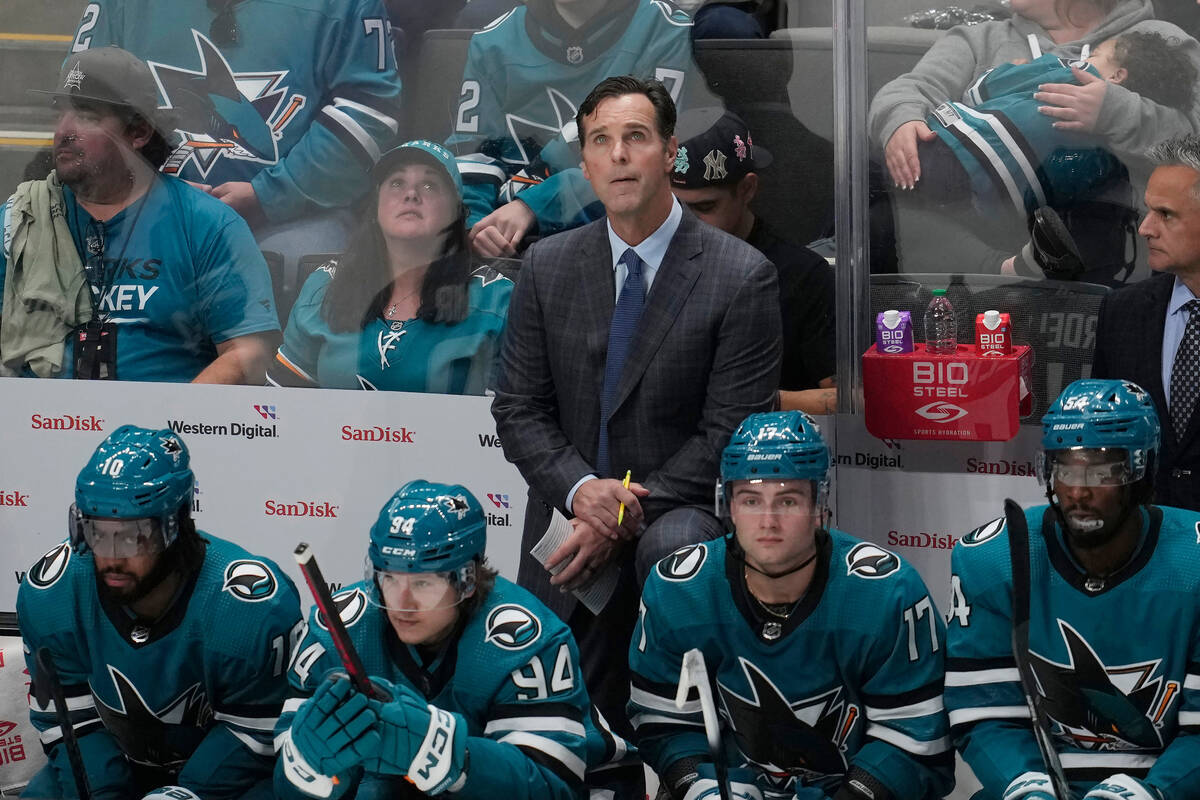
(779, 498)
(117, 538)
(420, 591)
(1091, 467)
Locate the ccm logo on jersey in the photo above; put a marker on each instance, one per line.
(350, 605)
(684, 563)
(512, 627)
(871, 561)
(984, 532)
(251, 581)
(50, 567)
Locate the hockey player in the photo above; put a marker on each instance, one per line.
(481, 685)
(170, 644)
(1114, 628)
(826, 651)
(525, 76)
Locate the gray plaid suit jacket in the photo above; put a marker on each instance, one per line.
(706, 354)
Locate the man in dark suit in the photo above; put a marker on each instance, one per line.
(638, 343)
(1149, 333)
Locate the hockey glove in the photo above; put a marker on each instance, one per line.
(335, 728)
(862, 785)
(1122, 787)
(171, 793)
(426, 744)
(741, 784)
(1030, 786)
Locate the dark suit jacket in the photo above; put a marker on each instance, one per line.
(1129, 346)
(706, 354)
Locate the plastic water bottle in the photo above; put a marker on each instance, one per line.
(941, 326)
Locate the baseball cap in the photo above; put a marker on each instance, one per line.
(113, 76)
(421, 150)
(715, 147)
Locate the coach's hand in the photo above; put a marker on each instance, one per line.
(598, 502)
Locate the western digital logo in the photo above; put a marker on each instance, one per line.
(229, 429)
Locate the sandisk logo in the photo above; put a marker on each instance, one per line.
(67, 422)
(379, 433)
(941, 412)
(14, 499)
(301, 509)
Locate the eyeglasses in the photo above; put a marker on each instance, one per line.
(223, 30)
(117, 538)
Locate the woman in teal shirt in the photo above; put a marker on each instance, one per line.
(404, 309)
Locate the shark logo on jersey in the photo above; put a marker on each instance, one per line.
(871, 561)
(512, 627)
(146, 735)
(385, 343)
(983, 533)
(684, 563)
(50, 567)
(805, 738)
(525, 132)
(251, 581)
(1098, 707)
(350, 606)
(221, 113)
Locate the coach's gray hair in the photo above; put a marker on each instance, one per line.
(1181, 151)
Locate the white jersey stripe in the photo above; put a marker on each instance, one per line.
(253, 723)
(1115, 761)
(550, 747)
(292, 704)
(252, 744)
(1015, 150)
(643, 719)
(908, 743)
(77, 703)
(1191, 682)
(351, 126)
(657, 702)
(960, 715)
(382, 118)
(544, 724)
(1189, 717)
(981, 676)
(933, 705)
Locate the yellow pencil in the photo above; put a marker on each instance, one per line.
(621, 509)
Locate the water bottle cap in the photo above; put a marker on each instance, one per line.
(991, 318)
(891, 318)
(938, 292)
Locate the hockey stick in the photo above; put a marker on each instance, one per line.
(694, 672)
(1018, 552)
(333, 621)
(46, 687)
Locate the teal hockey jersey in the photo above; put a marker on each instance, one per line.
(1118, 660)
(511, 671)
(524, 80)
(191, 698)
(301, 105)
(853, 677)
(1015, 158)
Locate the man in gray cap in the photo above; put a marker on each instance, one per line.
(716, 176)
(112, 271)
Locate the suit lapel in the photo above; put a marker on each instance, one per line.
(672, 284)
(1152, 336)
(595, 257)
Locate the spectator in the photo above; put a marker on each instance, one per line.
(524, 76)
(281, 107)
(689, 348)
(716, 176)
(996, 154)
(721, 19)
(142, 278)
(1149, 333)
(402, 310)
(1125, 122)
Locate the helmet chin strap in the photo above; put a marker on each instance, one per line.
(740, 555)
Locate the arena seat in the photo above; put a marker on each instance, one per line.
(1058, 318)
(432, 100)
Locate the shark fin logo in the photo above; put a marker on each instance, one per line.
(512, 627)
(984, 532)
(250, 580)
(224, 114)
(684, 563)
(350, 606)
(867, 560)
(1100, 707)
(50, 567)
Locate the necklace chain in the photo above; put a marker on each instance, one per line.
(392, 308)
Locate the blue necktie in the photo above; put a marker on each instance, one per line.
(620, 334)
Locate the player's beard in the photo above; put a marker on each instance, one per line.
(141, 586)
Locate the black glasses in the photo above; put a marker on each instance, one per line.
(224, 29)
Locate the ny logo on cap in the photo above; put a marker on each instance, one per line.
(714, 166)
(74, 78)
